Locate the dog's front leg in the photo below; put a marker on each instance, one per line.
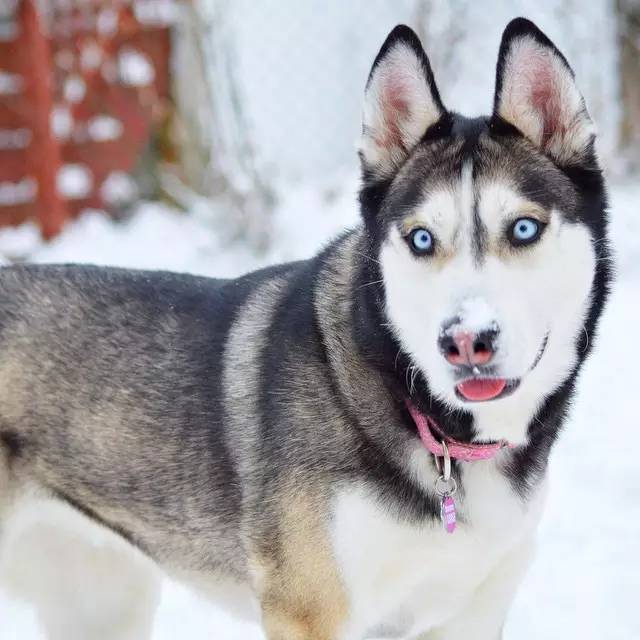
(303, 602)
(281, 623)
(484, 615)
(302, 616)
(295, 574)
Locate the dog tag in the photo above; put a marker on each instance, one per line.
(448, 513)
(446, 488)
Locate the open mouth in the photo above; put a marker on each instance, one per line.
(479, 389)
(483, 389)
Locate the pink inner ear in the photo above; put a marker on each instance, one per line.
(546, 99)
(534, 83)
(395, 111)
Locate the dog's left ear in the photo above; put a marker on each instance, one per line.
(401, 103)
(536, 92)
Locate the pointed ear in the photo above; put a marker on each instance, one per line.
(401, 102)
(536, 92)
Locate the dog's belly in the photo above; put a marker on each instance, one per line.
(407, 578)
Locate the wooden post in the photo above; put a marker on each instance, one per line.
(45, 154)
(629, 30)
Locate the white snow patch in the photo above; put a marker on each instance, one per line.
(135, 69)
(118, 188)
(61, 122)
(204, 621)
(19, 620)
(74, 88)
(476, 314)
(15, 193)
(102, 128)
(15, 138)
(10, 83)
(65, 59)
(91, 56)
(74, 181)
(107, 21)
(156, 12)
(16, 243)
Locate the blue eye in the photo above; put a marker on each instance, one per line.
(421, 242)
(525, 231)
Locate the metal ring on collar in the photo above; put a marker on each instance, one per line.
(446, 487)
(446, 461)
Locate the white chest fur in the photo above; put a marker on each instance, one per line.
(408, 578)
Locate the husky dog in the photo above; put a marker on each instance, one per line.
(301, 433)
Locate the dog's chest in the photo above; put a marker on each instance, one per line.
(407, 578)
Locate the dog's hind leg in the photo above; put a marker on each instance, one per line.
(84, 582)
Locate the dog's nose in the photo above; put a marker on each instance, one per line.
(467, 348)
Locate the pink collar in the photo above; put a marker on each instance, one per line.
(427, 427)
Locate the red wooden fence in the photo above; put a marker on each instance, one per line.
(84, 85)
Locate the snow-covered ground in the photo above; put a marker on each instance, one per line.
(586, 579)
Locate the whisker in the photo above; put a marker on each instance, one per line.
(409, 376)
(395, 362)
(368, 284)
(542, 424)
(414, 372)
(368, 257)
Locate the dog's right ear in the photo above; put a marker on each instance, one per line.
(401, 102)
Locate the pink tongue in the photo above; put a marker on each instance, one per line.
(482, 389)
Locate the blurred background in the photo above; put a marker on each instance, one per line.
(214, 136)
(231, 112)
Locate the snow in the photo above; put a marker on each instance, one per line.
(585, 580)
(65, 59)
(135, 68)
(18, 242)
(61, 122)
(156, 12)
(118, 188)
(15, 138)
(74, 181)
(91, 56)
(10, 83)
(103, 127)
(75, 88)
(107, 21)
(15, 193)
(477, 315)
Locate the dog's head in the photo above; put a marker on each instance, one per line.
(486, 230)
